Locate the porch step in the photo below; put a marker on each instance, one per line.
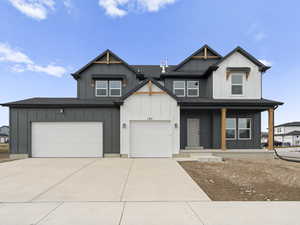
(194, 148)
(209, 158)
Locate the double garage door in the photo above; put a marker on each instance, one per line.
(67, 139)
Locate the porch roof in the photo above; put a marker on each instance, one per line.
(227, 103)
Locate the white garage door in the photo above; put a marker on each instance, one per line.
(67, 139)
(150, 139)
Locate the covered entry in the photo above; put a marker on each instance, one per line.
(67, 139)
(150, 122)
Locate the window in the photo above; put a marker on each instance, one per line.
(230, 128)
(106, 88)
(101, 88)
(237, 84)
(192, 88)
(179, 88)
(244, 125)
(115, 88)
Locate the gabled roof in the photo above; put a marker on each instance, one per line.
(196, 53)
(76, 75)
(143, 84)
(290, 124)
(262, 67)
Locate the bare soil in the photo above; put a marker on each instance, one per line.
(247, 179)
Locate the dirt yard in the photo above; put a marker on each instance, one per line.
(247, 180)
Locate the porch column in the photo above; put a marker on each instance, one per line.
(223, 128)
(271, 128)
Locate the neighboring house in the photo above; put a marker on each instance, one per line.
(288, 133)
(206, 101)
(4, 134)
(4, 130)
(3, 138)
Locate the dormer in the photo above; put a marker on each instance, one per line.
(238, 76)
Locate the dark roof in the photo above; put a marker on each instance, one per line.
(62, 102)
(196, 53)
(76, 75)
(144, 83)
(262, 67)
(290, 124)
(227, 102)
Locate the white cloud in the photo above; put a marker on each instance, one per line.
(69, 5)
(9, 55)
(119, 8)
(53, 70)
(259, 36)
(36, 9)
(24, 63)
(266, 62)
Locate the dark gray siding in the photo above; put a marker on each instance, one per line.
(255, 141)
(205, 117)
(86, 90)
(21, 118)
(210, 128)
(204, 88)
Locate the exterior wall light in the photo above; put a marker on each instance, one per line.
(176, 125)
(124, 125)
(61, 111)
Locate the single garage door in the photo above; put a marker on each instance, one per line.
(150, 139)
(67, 139)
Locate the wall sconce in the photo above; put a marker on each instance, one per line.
(176, 125)
(124, 125)
(61, 111)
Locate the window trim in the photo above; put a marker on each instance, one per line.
(107, 88)
(250, 129)
(184, 91)
(115, 88)
(187, 88)
(235, 134)
(243, 84)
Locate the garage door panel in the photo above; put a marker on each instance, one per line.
(67, 139)
(150, 139)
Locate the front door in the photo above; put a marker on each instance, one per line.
(193, 130)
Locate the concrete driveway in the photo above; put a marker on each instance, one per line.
(120, 192)
(113, 180)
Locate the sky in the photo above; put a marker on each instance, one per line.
(43, 41)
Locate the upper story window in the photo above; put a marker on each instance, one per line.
(244, 125)
(115, 88)
(179, 88)
(106, 88)
(186, 88)
(192, 88)
(237, 84)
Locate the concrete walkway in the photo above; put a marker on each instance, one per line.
(150, 213)
(120, 191)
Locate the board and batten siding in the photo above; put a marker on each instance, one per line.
(21, 119)
(222, 86)
(142, 107)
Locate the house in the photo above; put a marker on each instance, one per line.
(3, 138)
(4, 130)
(207, 101)
(4, 134)
(264, 137)
(288, 133)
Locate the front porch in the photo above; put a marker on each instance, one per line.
(231, 129)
